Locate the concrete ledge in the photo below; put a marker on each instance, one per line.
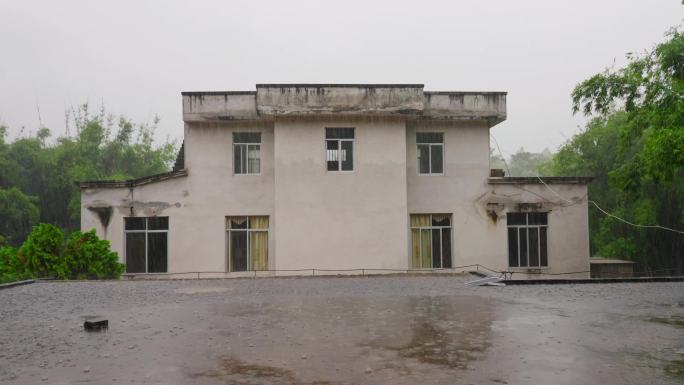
(554, 281)
(133, 182)
(16, 283)
(535, 180)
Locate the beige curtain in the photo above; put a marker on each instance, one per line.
(258, 243)
(426, 249)
(421, 242)
(415, 243)
(420, 220)
(258, 222)
(259, 250)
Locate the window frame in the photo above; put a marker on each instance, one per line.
(441, 242)
(146, 231)
(246, 145)
(527, 226)
(248, 231)
(339, 147)
(430, 146)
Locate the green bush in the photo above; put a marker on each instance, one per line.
(45, 254)
(42, 251)
(87, 256)
(11, 267)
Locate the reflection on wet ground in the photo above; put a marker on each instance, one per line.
(674, 320)
(427, 330)
(234, 370)
(350, 340)
(445, 331)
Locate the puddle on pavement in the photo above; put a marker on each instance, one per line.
(676, 320)
(239, 371)
(675, 368)
(350, 340)
(443, 331)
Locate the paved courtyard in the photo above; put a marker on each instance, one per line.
(379, 330)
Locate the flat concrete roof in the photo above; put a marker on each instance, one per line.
(409, 101)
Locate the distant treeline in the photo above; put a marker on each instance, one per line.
(38, 174)
(634, 147)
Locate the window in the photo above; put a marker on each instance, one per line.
(146, 244)
(247, 239)
(247, 152)
(430, 152)
(431, 241)
(527, 234)
(339, 149)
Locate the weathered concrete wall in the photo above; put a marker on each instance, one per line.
(341, 220)
(466, 167)
(219, 106)
(487, 106)
(568, 236)
(197, 204)
(270, 100)
(167, 198)
(338, 99)
(464, 192)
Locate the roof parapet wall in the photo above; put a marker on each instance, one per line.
(219, 106)
(277, 99)
(488, 106)
(409, 100)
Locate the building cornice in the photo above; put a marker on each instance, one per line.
(94, 184)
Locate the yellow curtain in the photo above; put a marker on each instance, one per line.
(259, 250)
(420, 220)
(258, 243)
(422, 251)
(258, 222)
(426, 249)
(415, 243)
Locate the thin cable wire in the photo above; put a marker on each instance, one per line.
(612, 215)
(590, 201)
(501, 154)
(635, 224)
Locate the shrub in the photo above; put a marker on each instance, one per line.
(11, 268)
(42, 250)
(46, 255)
(87, 256)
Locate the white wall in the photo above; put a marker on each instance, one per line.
(341, 220)
(199, 202)
(463, 191)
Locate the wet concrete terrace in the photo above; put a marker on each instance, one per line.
(403, 330)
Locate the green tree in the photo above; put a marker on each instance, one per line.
(634, 146)
(524, 163)
(102, 147)
(18, 213)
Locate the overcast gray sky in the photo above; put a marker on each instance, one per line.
(137, 56)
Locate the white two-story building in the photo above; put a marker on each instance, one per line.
(338, 177)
